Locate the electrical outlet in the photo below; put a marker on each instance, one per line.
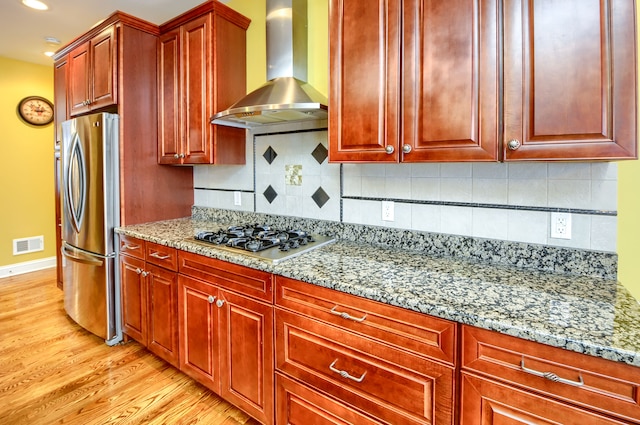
(561, 225)
(237, 198)
(387, 210)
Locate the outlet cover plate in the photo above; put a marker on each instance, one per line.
(561, 225)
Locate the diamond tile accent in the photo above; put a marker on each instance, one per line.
(270, 154)
(320, 153)
(270, 194)
(320, 197)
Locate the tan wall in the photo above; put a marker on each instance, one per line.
(26, 174)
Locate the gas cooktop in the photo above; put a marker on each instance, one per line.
(263, 241)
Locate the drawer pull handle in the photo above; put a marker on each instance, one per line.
(552, 376)
(346, 315)
(127, 246)
(158, 256)
(344, 373)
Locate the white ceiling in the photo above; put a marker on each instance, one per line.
(23, 30)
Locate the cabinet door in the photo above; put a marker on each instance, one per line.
(134, 298)
(569, 79)
(163, 314)
(169, 130)
(196, 95)
(78, 79)
(450, 81)
(364, 61)
(103, 68)
(484, 402)
(198, 318)
(246, 354)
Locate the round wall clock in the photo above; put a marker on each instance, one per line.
(36, 110)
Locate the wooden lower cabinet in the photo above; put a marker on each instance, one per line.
(509, 380)
(134, 298)
(162, 313)
(198, 320)
(486, 402)
(298, 404)
(149, 297)
(390, 385)
(226, 343)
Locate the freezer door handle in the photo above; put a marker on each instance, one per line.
(67, 251)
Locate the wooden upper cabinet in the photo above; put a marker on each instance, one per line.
(199, 55)
(569, 80)
(438, 103)
(450, 94)
(364, 56)
(93, 73)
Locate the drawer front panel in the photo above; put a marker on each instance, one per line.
(247, 281)
(486, 402)
(132, 246)
(297, 404)
(416, 332)
(607, 386)
(389, 384)
(162, 256)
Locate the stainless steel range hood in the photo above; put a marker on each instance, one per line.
(286, 96)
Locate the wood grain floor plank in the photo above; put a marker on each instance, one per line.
(54, 372)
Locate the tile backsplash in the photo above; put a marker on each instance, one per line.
(289, 174)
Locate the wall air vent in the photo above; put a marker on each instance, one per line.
(27, 245)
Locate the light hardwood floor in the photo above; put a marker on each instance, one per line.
(54, 372)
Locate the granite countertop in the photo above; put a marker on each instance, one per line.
(590, 315)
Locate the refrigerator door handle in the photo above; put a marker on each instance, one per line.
(76, 183)
(89, 259)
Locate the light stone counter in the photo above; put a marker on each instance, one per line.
(587, 314)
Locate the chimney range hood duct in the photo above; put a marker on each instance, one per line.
(286, 96)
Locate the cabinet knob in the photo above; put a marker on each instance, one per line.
(138, 270)
(389, 149)
(176, 156)
(514, 144)
(211, 299)
(181, 155)
(145, 274)
(220, 303)
(406, 148)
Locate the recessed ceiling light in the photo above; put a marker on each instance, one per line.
(49, 53)
(35, 4)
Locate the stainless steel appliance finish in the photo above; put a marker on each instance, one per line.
(90, 211)
(286, 96)
(262, 241)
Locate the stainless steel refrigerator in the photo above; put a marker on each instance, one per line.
(90, 211)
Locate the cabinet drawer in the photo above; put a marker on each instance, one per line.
(607, 386)
(488, 402)
(419, 333)
(162, 256)
(247, 281)
(394, 386)
(132, 246)
(297, 404)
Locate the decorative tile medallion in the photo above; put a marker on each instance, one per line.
(293, 175)
(320, 197)
(320, 153)
(270, 194)
(270, 154)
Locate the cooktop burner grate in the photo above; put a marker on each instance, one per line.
(263, 241)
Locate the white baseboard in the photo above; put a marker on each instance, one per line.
(27, 266)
